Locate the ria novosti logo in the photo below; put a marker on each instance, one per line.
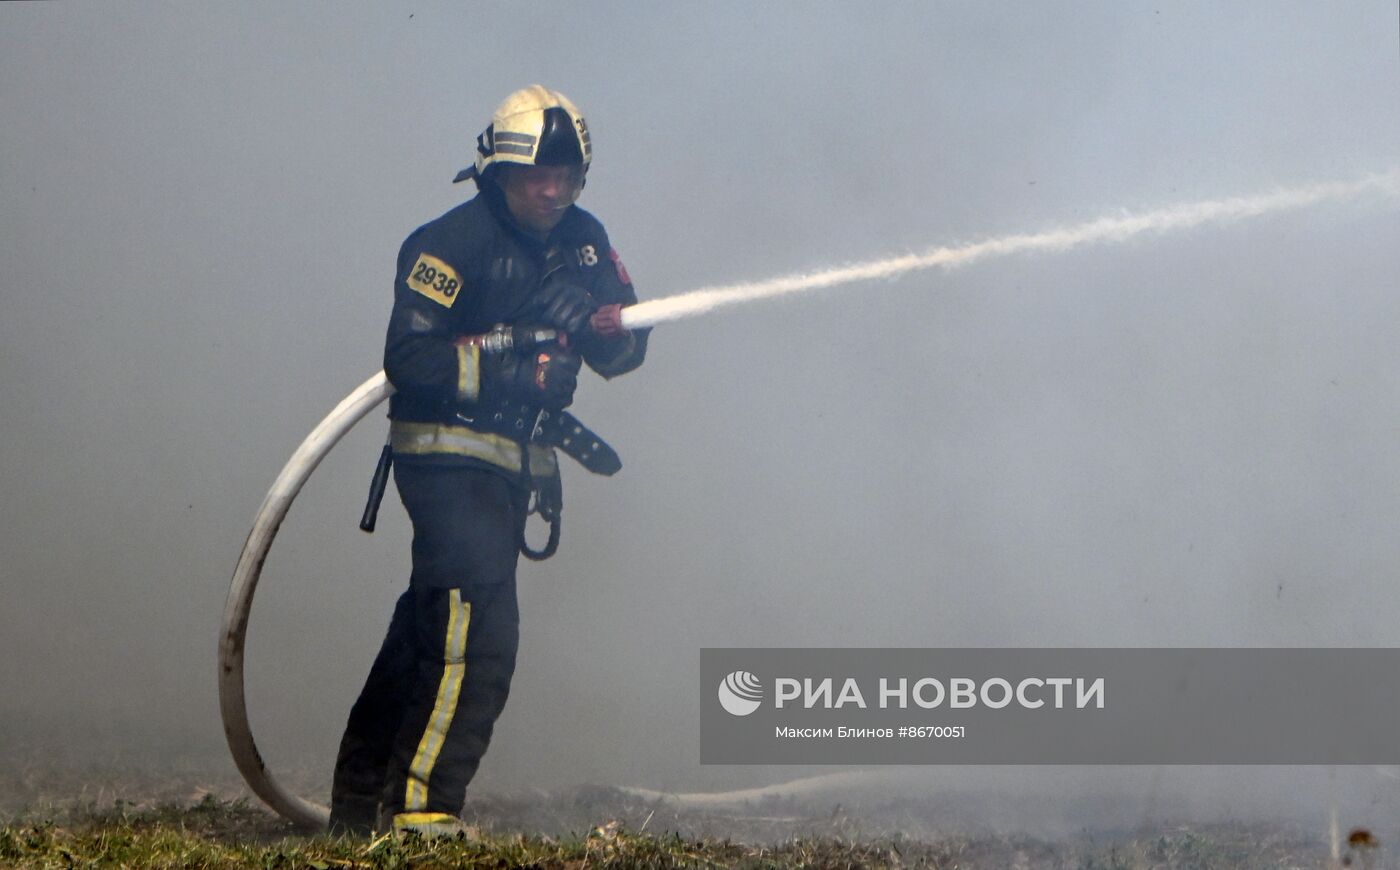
(740, 693)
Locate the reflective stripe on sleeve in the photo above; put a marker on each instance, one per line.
(468, 372)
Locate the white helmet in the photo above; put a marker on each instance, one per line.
(535, 127)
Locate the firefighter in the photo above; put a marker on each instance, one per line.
(519, 253)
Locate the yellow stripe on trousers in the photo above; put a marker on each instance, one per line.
(454, 657)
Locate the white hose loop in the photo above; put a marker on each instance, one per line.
(234, 631)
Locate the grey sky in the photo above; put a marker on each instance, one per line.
(1185, 440)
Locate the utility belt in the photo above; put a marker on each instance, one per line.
(496, 435)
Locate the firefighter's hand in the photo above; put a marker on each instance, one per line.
(546, 376)
(556, 375)
(606, 322)
(567, 308)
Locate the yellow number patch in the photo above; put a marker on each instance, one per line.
(435, 280)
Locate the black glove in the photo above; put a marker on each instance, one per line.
(546, 376)
(566, 307)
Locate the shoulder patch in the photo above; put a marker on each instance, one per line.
(617, 264)
(434, 279)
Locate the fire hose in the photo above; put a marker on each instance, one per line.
(232, 703)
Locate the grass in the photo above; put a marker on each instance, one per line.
(218, 833)
(215, 833)
(128, 811)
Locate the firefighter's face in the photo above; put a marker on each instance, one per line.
(539, 195)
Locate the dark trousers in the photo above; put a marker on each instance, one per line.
(424, 717)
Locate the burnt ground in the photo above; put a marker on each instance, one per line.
(203, 816)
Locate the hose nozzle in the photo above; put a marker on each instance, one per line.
(502, 338)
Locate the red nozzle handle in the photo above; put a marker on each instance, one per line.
(607, 321)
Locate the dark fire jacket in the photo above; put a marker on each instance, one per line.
(462, 274)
